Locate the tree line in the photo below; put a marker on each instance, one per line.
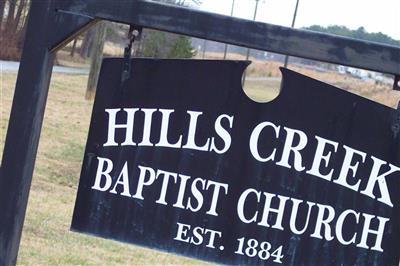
(359, 33)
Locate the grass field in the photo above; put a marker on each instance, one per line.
(46, 237)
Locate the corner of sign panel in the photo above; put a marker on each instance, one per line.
(286, 71)
(244, 64)
(286, 74)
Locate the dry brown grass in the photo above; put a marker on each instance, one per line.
(46, 239)
(64, 57)
(383, 94)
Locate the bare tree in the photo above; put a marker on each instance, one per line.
(11, 12)
(96, 54)
(17, 18)
(12, 27)
(2, 7)
(87, 43)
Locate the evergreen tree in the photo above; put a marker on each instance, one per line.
(182, 48)
(168, 45)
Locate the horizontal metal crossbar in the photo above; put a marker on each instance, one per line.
(261, 36)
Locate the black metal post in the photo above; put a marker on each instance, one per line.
(47, 31)
(24, 130)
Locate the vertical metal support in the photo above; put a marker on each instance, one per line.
(24, 128)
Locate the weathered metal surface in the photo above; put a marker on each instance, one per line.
(44, 26)
(120, 198)
(24, 130)
(66, 27)
(262, 36)
(52, 24)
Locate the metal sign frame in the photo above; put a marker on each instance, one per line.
(53, 23)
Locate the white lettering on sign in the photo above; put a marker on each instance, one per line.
(295, 141)
(191, 191)
(331, 161)
(271, 208)
(324, 226)
(197, 236)
(222, 125)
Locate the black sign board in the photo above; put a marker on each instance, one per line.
(180, 159)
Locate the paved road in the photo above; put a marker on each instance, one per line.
(11, 66)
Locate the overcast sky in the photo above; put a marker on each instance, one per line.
(373, 15)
